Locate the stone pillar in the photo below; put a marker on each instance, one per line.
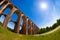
(29, 32)
(17, 25)
(0, 6)
(31, 28)
(27, 26)
(34, 29)
(7, 19)
(23, 26)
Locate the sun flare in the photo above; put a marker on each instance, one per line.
(43, 5)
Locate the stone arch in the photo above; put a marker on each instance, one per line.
(14, 16)
(5, 2)
(21, 23)
(7, 19)
(17, 24)
(6, 11)
(8, 5)
(25, 25)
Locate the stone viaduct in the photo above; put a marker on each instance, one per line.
(28, 27)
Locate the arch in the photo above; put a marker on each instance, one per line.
(7, 19)
(8, 5)
(21, 21)
(14, 17)
(24, 20)
(21, 24)
(5, 3)
(7, 11)
(11, 25)
(18, 12)
(2, 18)
(17, 26)
(25, 25)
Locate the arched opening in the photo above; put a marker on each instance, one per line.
(7, 19)
(21, 24)
(2, 18)
(23, 30)
(7, 11)
(10, 26)
(29, 27)
(14, 17)
(21, 21)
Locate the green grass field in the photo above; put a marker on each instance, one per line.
(7, 35)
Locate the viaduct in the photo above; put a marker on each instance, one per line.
(28, 27)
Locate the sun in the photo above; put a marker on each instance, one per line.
(43, 6)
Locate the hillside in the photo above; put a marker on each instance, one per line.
(7, 35)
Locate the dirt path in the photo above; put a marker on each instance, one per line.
(49, 31)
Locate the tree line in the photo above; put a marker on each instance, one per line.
(43, 30)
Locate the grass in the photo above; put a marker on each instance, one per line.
(7, 35)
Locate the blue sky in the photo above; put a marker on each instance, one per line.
(42, 17)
